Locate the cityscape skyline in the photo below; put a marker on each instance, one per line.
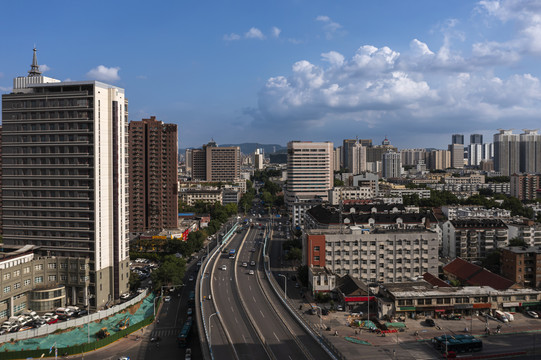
(415, 73)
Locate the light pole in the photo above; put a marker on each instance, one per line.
(210, 327)
(446, 354)
(285, 285)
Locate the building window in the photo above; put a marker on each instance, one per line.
(63, 277)
(316, 258)
(51, 265)
(26, 270)
(52, 278)
(38, 279)
(7, 289)
(27, 282)
(316, 248)
(16, 273)
(7, 276)
(38, 267)
(64, 265)
(16, 285)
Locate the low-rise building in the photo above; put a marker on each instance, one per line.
(453, 212)
(522, 265)
(473, 239)
(471, 274)
(350, 193)
(321, 280)
(193, 195)
(373, 255)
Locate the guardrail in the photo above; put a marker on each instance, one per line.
(324, 343)
(49, 329)
(200, 318)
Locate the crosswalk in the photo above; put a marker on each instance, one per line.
(162, 333)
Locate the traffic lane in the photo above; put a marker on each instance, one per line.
(276, 335)
(244, 340)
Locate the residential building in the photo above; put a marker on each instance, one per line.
(367, 180)
(153, 162)
(357, 158)
(413, 157)
(309, 170)
(470, 179)
(470, 274)
(348, 144)
(337, 158)
(259, 159)
(530, 152)
(457, 155)
(506, 152)
(439, 159)
(453, 212)
(207, 195)
(216, 163)
(65, 179)
(350, 193)
(476, 139)
(524, 229)
(374, 154)
(373, 255)
(321, 280)
(392, 165)
(525, 186)
(520, 265)
(473, 239)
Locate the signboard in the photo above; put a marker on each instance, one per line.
(482, 306)
(406, 308)
(511, 304)
(358, 298)
(464, 306)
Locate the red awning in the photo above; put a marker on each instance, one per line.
(439, 310)
(358, 298)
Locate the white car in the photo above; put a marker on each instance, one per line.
(533, 314)
(251, 272)
(244, 264)
(167, 299)
(224, 267)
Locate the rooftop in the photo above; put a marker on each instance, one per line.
(475, 275)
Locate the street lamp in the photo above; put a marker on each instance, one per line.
(210, 327)
(285, 286)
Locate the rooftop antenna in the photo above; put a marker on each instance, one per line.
(34, 68)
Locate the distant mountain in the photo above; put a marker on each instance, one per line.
(249, 148)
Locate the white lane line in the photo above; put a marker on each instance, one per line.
(232, 309)
(236, 320)
(249, 287)
(262, 314)
(253, 298)
(276, 336)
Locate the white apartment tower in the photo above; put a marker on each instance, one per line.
(65, 179)
(530, 152)
(392, 165)
(506, 152)
(309, 170)
(357, 158)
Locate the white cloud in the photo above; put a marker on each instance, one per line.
(331, 28)
(334, 58)
(104, 73)
(44, 68)
(276, 31)
(254, 33)
(231, 37)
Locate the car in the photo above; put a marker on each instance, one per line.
(251, 272)
(430, 322)
(224, 267)
(189, 312)
(125, 296)
(38, 323)
(124, 358)
(199, 263)
(533, 314)
(324, 311)
(190, 278)
(339, 308)
(297, 285)
(188, 354)
(244, 264)
(252, 263)
(167, 299)
(82, 312)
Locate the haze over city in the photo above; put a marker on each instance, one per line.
(271, 72)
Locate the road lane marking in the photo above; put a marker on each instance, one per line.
(276, 336)
(253, 298)
(261, 313)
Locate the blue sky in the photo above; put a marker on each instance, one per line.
(275, 71)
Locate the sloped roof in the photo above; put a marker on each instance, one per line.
(475, 275)
(350, 286)
(435, 281)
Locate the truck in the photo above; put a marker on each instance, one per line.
(501, 316)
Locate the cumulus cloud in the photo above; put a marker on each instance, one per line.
(254, 33)
(330, 27)
(104, 73)
(231, 37)
(44, 68)
(276, 31)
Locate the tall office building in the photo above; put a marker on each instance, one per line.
(439, 159)
(357, 159)
(153, 162)
(258, 159)
(476, 139)
(375, 153)
(475, 154)
(347, 148)
(413, 157)
(457, 139)
(530, 152)
(309, 170)
(64, 178)
(506, 152)
(391, 165)
(216, 163)
(457, 155)
(337, 158)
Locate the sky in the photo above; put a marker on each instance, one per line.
(282, 70)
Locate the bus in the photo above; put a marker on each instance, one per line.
(191, 298)
(457, 343)
(184, 334)
(232, 253)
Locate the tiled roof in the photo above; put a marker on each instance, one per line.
(475, 275)
(433, 280)
(349, 286)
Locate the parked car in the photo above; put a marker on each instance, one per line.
(532, 314)
(167, 299)
(324, 311)
(125, 296)
(430, 322)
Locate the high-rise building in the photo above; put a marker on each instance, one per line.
(476, 139)
(375, 153)
(309, 170)
(153, 161)
(439, 159)
(216, 163)
(525, 186)
(530, 152)
(475, 154)
(347, 148)
(391, 165)
(413, 157)
(457, 139)
(357, 159)
(64, 179)
(506, 152)
(337, 158)
(457, 155)
(258, 159)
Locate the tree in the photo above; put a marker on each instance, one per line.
(171, 272)
(302, 274)
(134, 282)
(338, 182)
(516, 241)
(294, 254)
